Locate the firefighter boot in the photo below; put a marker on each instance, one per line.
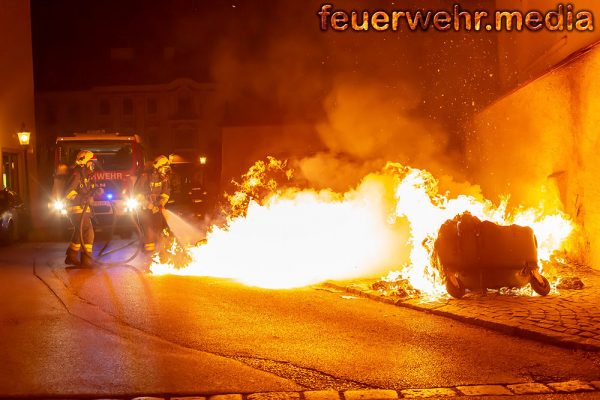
(72, 258)
(147, 257)
(146, 261)
(87, 261)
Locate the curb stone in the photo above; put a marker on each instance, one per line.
(322, 395)
(529, 388)
(533, 332)
(516, 390)
(425, 393)
(484, 390)
(571, 387)
(188, 398)
(374, 394)
(226, 397)
(274, 396)
(147, 398)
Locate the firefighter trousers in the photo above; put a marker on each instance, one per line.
(83, 228)
(152, 225)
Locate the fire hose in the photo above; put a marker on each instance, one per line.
(102, 253)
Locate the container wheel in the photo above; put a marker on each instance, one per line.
(539, 284)
(454, 287)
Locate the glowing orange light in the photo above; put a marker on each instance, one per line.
(291, 238)
(24, 138)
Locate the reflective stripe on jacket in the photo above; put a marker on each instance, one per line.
(79, 189)
(153, 189)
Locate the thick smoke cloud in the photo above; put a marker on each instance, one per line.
(372, 97)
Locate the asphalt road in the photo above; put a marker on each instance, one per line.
(116, 331)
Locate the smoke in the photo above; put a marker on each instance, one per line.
(338, 172)
(372, 123)
(372, 98)
(269, 66)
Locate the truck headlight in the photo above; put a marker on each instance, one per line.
(131, 204)
(59, 206)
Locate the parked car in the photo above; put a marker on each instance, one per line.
(14, 217)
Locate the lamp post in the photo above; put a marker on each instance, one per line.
(24, 137)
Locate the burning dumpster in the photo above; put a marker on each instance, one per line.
(474, 254)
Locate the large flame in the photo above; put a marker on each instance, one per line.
(285, 238)
(426, 210)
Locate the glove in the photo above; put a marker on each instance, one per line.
(155, 209)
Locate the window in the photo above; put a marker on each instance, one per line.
(10, 171)
(127, 106)
(184, 106)
(104, 107)
(152, 106)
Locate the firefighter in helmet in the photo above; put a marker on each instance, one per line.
(80, 191)
(153, 189)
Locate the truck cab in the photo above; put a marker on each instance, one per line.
(118, 161)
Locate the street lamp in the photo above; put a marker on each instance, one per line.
(24, 137)
(202, 160)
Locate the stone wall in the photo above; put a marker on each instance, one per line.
(541, 144)
(16, 80)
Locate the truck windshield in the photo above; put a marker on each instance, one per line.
(116, 155)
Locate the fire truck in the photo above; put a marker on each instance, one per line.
(118, 161)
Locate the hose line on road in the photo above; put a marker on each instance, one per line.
(102, 252)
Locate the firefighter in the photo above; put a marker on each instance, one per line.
(153, 189)
(80, 191)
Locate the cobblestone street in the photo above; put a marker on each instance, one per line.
(567, 317)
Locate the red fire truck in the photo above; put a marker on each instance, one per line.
(119, 159)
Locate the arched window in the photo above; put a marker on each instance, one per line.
(185, 106)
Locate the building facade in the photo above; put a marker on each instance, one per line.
(539, 142)
(17, 162)
(182, 116)
(526, 55)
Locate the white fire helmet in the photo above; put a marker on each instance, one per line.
(83, 157)
(161, 164)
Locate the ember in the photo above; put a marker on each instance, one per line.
(570, 283)
(401, 288)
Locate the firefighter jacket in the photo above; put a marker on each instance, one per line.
(153, 190)
(80, 190)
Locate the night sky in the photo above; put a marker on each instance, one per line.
(271, 58)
